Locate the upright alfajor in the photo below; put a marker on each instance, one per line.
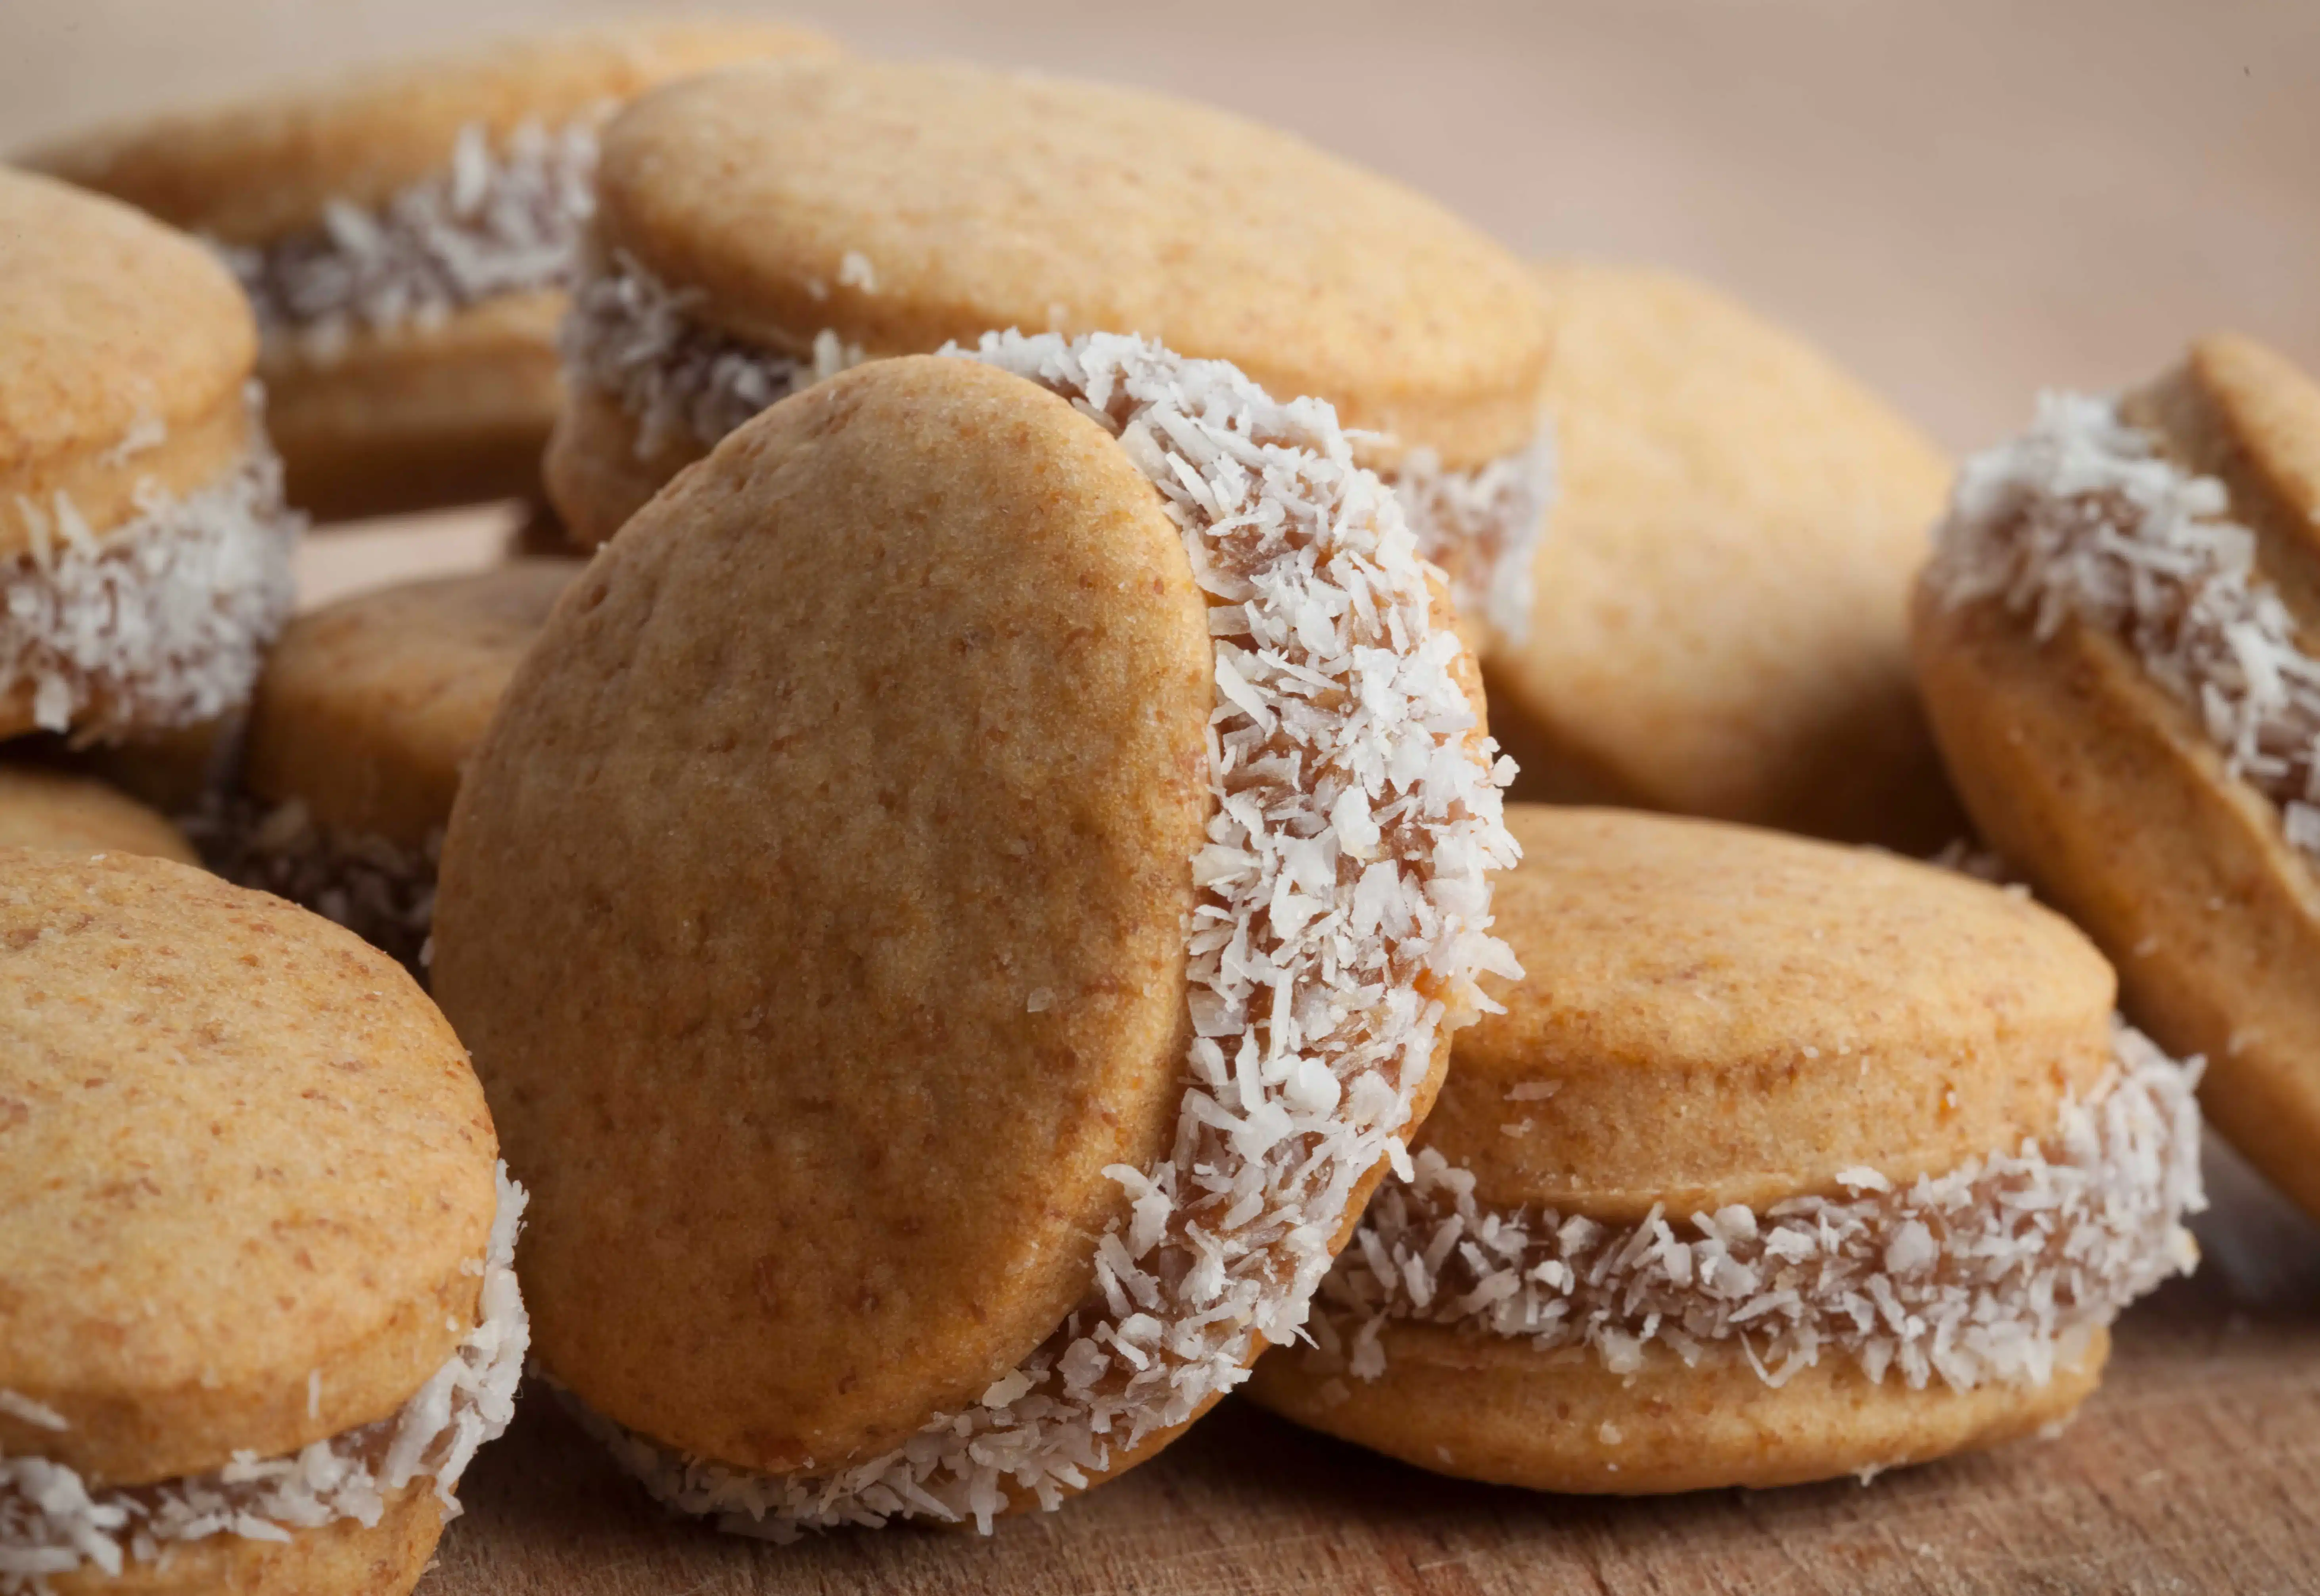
(967, 893)
(363, 722)
(406, 232)
(759, 228)
(1721, 620)
(259, 1308)
(144, 549)
(68, 812)
(2119, 640)
(1786, 1161)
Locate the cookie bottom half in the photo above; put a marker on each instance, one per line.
(1485, 1408)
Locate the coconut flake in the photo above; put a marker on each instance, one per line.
(1482, 527)
(1993, 1272)
(1282, 527)
(160, 622)
(496, 220)
(379, 890)
(2081, 518)
(52, 1523)
(631, 336)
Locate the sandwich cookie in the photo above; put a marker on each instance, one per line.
(2119, 639)
(144, 551)
(759, 228)
(966, 893)
(261, 1308)
(406, 233)
(362, 725)
(1723, 591)
(1788, 1162)
(70, 813)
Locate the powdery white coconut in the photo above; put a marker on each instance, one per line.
(1993, 1271)
(159, 621)
(1483, 526)
(633, 336)
(1344, 917)
(52, 1523)
(504, 220)
(2081, 519)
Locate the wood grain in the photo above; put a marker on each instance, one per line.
(2196, 1469)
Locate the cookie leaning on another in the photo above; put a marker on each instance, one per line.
(898, 814)
(1784, 1162)
(261, 1308)
(760, 227)
(364, 720)
(2119, 640)
(406, 232)
(1722, 609)
(144, 551)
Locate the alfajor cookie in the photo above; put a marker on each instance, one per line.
(68, 813)
(966, 895)
(2119, 640)
(261, 1310)
(144, 549)
(1722, 595)
(363, 721)
(759, 228)
(406, 232)
(1787, 1162)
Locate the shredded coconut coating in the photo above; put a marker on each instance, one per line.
(382, 892)
(161, 621)
(1992, 1272)
(1482, 527)
(1344, 916)
(494, 222)
(631, 336)
(2081, 518)
(52, 1523)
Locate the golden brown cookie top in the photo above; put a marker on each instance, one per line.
(903, 206)
(246, 1170)
(257, 169)
(1713, 1014)
(65, 813)
(2244, 413)
(1735, 512)
(920, 665)
(369, 708)
(127, 348)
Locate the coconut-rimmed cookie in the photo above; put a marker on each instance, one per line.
(967, 893)
(144, 551)
(760, 227)
(406, 232)
(1722, 613)
(362, 725)
(68, 813)
(1787, 1162)
(2119, 639)
(260, 1310)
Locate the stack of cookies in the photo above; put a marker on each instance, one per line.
(974, 863)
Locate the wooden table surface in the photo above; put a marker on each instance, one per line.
(1964, 201)
(2196, 1468)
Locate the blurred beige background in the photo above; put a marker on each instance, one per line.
(1964, 199)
